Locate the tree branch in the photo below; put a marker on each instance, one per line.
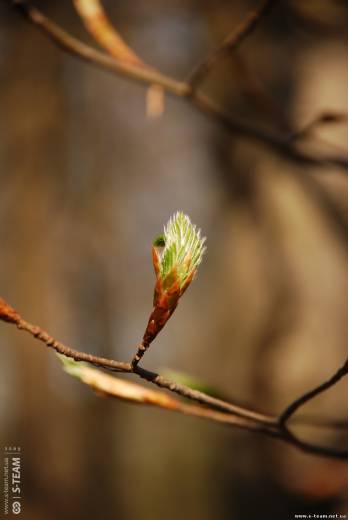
(203, 398)
(231, 42)
(308, 396)
(87, 53)
(213, 409)
(148, 76)
(7, 313)
(107, 385)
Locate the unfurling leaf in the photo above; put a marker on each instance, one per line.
(176, 256)
(183, 250)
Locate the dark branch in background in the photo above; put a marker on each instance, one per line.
(208, 406)
(76, 47)
(258, 94)
(309, 131)
(281, 145)
(231, 42)
(149, 76)
(212, 408)
(323, 119)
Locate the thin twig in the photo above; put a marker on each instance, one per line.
(108, 385)
(258, 94)
(59, 347)
(307, 447)
(103, 31)
(180, 89)
(141, 349)
(324, 119)
(87, 53)
(231, 42)
(315, 421)
(203, 398)
(7, 313)
(303, 399)
(214, 409)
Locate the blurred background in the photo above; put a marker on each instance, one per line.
(87, 182)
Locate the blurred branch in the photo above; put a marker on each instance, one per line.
(319, 121)
(256, 91)
(149, 76)
(103, 32)
(312, 20)
(87, 53)
(279, 144)
(231, 42)
(213, 409)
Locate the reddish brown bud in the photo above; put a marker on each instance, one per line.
(175, 267)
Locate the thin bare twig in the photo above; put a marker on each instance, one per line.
(263, 101)
(303, 399)
(311, 448)
(231, 42)
(324, 119)
(59, 347)
(213, 409)
(309, 131)
(314, 421)
(204, 104)
(203, 398)
(87, 53)
(141, 349)
(108, 386)
(147, 76)
(7, 313)
(98, 25)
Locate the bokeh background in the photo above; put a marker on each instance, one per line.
(87, 181)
